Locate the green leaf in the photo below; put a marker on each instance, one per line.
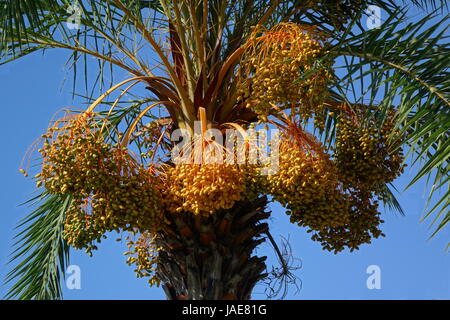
(41, 254)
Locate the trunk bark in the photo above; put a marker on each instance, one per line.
(211, 258)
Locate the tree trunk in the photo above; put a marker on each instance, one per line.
(211, 258)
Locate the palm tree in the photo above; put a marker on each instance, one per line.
(287, 65)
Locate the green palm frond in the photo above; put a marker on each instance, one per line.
(104, 33)
(433, 4)
(391, 201)
(41, 254)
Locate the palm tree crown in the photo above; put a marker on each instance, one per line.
(217, 66)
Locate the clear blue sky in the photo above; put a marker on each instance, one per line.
(412, 267)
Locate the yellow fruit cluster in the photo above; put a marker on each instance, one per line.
(308, 185)
(73, 161)
(364, 154)
(253, 180)
(110, 190)
(284, 67)
(143, 253)
(363, 221)
(202, 188)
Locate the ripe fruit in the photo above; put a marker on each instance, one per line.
(110, 190)
(365, 156)
(284, 67)
(203, 188)
(143, 253)
(306, 183)
(309, 186)
(363, 220)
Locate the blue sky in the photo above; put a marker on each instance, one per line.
(412, 267)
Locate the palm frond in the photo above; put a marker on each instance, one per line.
(41, 254)
(391, 201)
(103, 33)
(432, 4)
